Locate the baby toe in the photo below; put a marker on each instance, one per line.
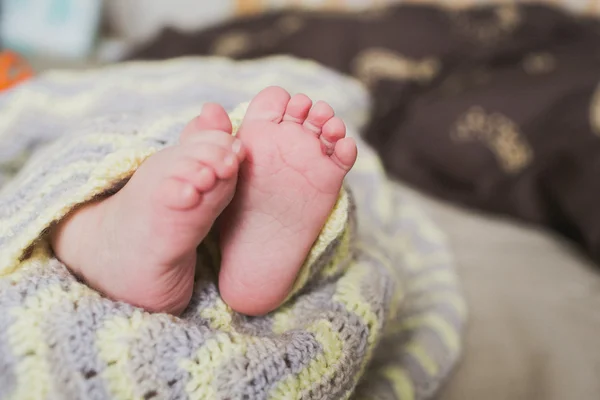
(332, 131)
(318, 115)
(221, 139)
(178, 194)
(297, 109)
(204, 180)
(223, 161)
(345, 153)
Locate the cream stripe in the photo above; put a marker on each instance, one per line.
(39, 258)
(337, 260)
(113, 341)
(446, 332)
(26, 336)
(283, 320)
(349, 294)
(422, 356)
(423, 283)
(318, 369)
(401, 382)
(219, 316)
(209, 359)
(452, 300)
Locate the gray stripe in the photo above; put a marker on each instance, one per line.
(265, 364)
(156, 352)
(70, 329)
(58, 191)
(379, 289)
(254, 326)
(15, 295)
(354, 334)
(440, 308)
(311, 302)
(27, 193)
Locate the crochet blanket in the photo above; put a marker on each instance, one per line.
(377, 311)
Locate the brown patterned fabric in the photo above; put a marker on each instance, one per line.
(496, 108)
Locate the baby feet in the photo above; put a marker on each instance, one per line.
(297, 158)
(139, 246)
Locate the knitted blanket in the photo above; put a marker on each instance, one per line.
(376, 312)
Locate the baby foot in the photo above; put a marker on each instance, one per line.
(297, 158)
(139, 245)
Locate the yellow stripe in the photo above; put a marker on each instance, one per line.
(219, 316)
(418, 262)
(28, 342)
(283, 320)
(40, 256)
(439, 325)
(341, 253)
(211, 356)
(348, 294)
(112, 341)
(319, 369)
(422, 283)
(400, 381)
(424, 359)
(449, 299)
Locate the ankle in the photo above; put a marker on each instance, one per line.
(70, 238)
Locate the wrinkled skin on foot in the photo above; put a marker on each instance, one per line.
(297, 158)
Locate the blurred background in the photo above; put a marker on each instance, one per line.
(82, 30)
(496, 111)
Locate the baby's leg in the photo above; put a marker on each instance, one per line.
(139, 245)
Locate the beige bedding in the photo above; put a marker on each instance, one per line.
(534, 327)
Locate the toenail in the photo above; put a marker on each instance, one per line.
(230, 160)
(236, 147)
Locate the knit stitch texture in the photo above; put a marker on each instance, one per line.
(376, 312)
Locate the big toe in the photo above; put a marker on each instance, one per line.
(269, 105)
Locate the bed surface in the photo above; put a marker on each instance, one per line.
(534, 306)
